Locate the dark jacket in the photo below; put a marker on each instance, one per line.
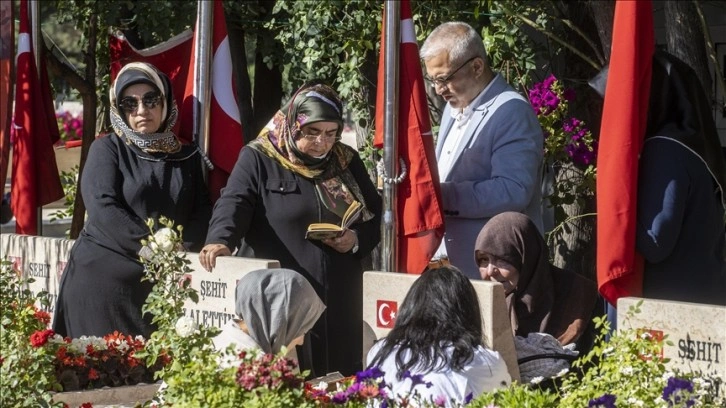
(271, 207)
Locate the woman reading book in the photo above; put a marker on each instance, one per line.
(283, 182)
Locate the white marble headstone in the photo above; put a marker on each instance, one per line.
(41, 258)
(697, 332)
(216, 288)
(383, 293)
(45, 258)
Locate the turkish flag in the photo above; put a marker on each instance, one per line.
(176, 58)
(420, 215)
(386, 312)
(35, 179)
(225, 127)
(625, 113)
(7, 48)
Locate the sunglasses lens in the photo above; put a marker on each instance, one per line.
(129, 104)
(151, 99)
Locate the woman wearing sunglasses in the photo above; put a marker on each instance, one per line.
(139, 171)
(295, 173)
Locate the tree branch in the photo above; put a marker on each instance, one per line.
(68, 73)
(712, 53)
(552, 36)
(584, 37)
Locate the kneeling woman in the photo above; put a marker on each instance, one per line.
(438, 335)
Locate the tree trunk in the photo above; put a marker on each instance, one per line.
(238, 49)
(683, 30)
(602, 12)
(572, 243)
(268, 82)
(268, 93)
(89, 125)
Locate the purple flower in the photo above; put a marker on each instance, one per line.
(549, 81)
(354, 388)
(369, 374)
(606, 401)
(551, 101)
(470, 396)
(571, 125)
(340, 397)
(674, 390)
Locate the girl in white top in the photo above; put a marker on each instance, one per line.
(435, 348)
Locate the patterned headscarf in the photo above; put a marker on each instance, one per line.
(277, 305)
(310, 104)
(161, 141)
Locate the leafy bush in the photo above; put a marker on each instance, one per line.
(26, 368)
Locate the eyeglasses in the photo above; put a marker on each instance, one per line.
(130, 104)
(323, 137)
(436, 82)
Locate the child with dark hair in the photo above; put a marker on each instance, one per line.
(435, 347)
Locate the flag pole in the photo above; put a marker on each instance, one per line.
(34, 11)
(389, 238)
(202, 74)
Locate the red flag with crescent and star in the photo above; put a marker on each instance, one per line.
(420, 215)
(35, 180)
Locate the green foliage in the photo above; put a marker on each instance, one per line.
(511, 49)
(628, 368)
(69, 181)
(330, 40)
(26, 368)
(517, 395)
(168, 269)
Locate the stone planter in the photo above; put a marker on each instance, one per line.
(125, 396)
(67, 156)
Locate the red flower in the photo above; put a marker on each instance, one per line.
(43, 317)
(86, 405)
(93, 374)
(40, 337)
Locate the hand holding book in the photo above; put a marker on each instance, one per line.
(323, 230)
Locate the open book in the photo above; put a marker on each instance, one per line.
(324, 230)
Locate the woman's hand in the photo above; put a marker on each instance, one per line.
(208, 255)
(343, 243)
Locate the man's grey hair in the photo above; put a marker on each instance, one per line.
(457, 38)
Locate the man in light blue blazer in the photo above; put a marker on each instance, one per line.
(490, 144)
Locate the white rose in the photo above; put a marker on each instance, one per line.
(164, 238)
(536, 380)
(185, 326)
